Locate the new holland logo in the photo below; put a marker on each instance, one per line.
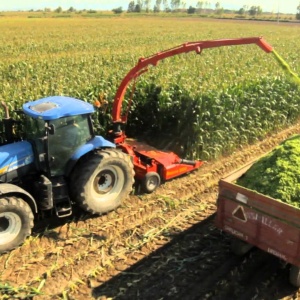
(239, 213)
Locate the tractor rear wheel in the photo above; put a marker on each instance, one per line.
(102, 181)
(16, 222)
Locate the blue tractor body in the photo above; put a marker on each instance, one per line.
(51, 159)
(15, 158)
(58, 133)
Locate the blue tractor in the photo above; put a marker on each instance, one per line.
(58, 161)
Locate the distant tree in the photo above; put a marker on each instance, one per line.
(206, 5)
(255, 11)
(199, 6)
(118, 10)
(298, 12)
(137, 8)
(259, 10)
(157, 6)
(71, 9)
(241, 11)
(252, 11)
(58, 10)
(47, 9)
(175, 4)
(141, 4)
(191, 10)
(131, 6)
(158, 3)
(166, 5)
(219, 10)
(147, 4)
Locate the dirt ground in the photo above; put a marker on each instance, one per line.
(162, 245)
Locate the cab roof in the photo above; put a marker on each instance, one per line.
(55, 107)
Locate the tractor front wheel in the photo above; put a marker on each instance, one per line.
(16, 222)
(102, 181)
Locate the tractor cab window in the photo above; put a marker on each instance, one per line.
(34, 132)
(34, 128)
(70, 133)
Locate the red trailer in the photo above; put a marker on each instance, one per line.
(258, 220)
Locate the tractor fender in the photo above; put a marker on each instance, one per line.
(12, 189)
(97, 142)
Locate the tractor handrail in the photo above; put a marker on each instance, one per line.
(198, 46)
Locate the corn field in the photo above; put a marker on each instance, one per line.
(202, 106)
(160, 245)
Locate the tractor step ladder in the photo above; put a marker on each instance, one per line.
(63, 208)
(62, 202)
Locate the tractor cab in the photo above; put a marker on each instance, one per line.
(57, 127)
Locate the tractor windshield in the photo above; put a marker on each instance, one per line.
(70, 133)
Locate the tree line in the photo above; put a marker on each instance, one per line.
(179, 5)
(202, 7)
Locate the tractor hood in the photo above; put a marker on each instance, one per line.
(14, 156)
(56, 107)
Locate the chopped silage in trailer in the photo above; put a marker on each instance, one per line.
(277, 174)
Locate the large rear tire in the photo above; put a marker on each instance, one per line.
(16, 222)
(101, 182)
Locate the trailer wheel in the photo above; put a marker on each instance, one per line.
(102, 181)
(16, 222)
(239, 247)
(150, 182)
(295, 276)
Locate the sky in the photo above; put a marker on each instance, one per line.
(283, 6)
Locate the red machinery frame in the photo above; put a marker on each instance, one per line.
(148, 162)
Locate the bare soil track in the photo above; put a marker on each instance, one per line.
(158, 246)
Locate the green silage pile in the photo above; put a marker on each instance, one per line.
(278, 173)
